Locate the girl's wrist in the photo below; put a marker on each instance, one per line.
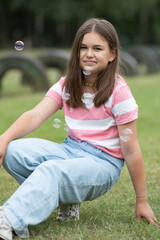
(141, 196)
(5, 138)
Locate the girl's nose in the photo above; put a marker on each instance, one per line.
(89, 53)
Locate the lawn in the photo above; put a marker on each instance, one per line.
(111, 216)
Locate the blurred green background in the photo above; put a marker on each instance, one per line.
(48, 23)
(47, 28)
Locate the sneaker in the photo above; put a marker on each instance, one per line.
(68, 212)
(5, 227)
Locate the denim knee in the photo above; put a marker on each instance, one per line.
(8, 162)
(13, 162)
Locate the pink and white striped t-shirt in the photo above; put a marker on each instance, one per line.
(98, 126)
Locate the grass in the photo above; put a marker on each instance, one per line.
(111, 216)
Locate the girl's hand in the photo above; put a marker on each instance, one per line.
(143, 210)
(3, 147)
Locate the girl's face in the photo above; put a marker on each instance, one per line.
(95, 52)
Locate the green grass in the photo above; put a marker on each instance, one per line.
(111, 216)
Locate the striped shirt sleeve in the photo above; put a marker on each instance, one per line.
(55, 92)
(124, 107)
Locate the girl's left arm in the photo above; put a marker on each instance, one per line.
(134, 161)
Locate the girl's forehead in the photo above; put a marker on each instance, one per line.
(93, 38)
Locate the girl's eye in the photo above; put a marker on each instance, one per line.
(83, 47)
(98, 49)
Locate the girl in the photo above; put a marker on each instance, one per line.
(100, 113)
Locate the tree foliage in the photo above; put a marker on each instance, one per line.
(54, 22)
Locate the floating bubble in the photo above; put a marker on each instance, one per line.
(66, 127)
(127, 131)
(57, 123)
(87, 73)
(87, 70)
(87, 99)
(19, 45)
(125, 135)
(125, 138)
(66, 96)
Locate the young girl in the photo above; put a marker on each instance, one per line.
(100, 113)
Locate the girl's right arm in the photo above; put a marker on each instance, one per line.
(27, 122)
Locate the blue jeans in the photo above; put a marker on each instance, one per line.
(51, 174)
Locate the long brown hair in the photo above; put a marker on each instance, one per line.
(106, 78)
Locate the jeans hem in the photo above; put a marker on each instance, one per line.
(18, 228)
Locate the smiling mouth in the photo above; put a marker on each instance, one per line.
(89, 62)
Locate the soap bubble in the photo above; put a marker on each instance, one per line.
(125, 135)
(66, 127)
(19, 45)
(57, 123)
(125, 138)
(87, 70)
(87, 73)
(66, 96)
(87, 99)
(127, 131)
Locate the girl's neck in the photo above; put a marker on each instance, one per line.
(89, 90)
(91, 79)
(89, 83)
(89, 87)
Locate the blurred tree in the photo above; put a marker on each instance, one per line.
(55, 22)
(136, 21)
(4, 23)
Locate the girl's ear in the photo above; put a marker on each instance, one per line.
(113, 55)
